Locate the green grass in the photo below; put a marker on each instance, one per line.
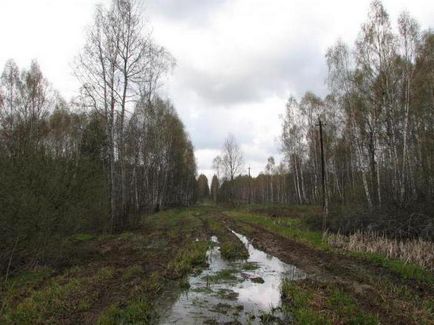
(347, 310)
(73, 295)
(296, 304)
(29, 278)
(287, 227)
(58, 300)
(132, 272)
(231, 247)
(193, 255)
(82, 237)
(333, 305)
(404, 270)
(223, 275)
(140, 311)
(232, 251)
(250, 266)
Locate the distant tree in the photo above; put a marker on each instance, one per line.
(214, 188)
(231, 158)
(270, 170)
(230, 162)
(202, 188)
(217, 165)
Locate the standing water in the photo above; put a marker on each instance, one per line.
(243, 291)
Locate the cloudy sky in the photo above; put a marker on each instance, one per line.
(237, 60)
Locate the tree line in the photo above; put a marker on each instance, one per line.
(378, 129)
(96, 163)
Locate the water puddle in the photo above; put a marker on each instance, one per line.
(240, 291)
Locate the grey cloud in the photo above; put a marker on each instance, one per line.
(192, 11)
(210, 130)
(295, 70)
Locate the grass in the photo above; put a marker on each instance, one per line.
(346, 309)
(369, 286)
(227, 294)
(165, 243)
(58, 300)
(133, 272)
(222, 276)
(297, 303)
(140, 311)
(405, 270)
(231, 247)
(287, 227)
(310, 303)
(250, 266)
(418, 251)
(193, 255)
(139, 265)
(295, 228)
(82, 237)
(231, 251)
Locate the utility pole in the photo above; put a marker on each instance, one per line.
(324, 194)
(250, 187)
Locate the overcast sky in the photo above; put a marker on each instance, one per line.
(237, 60)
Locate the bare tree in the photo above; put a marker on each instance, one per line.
(232, 158)
(119, 65)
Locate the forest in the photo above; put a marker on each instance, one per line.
(378, 136)
(97, 163)
(106, 217)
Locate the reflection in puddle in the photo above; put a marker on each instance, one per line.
(233, 291)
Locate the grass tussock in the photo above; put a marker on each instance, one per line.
(231, 247)
(193, 255)
(140, 311)
(231, 251)
(417, 251)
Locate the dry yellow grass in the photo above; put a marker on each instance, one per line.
(417, 251)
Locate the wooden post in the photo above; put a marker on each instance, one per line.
(324, 193)
(250, 187)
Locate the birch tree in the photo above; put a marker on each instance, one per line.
(119, 65)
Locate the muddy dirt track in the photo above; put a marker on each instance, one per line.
(375, 288)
